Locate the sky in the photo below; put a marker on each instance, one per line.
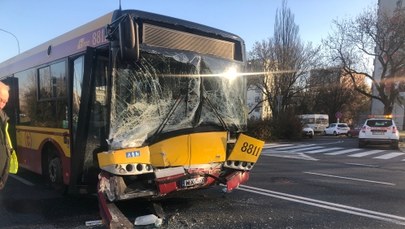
(33, 22)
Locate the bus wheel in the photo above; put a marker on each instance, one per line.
(55, 174)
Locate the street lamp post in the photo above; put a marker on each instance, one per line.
(18, 43)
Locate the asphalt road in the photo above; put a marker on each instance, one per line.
(325, 182)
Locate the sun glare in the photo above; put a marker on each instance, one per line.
(231, 73)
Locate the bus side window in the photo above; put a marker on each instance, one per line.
(78, 70)
(27, 96)
(52, 99)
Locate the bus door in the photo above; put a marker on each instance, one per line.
(89, 117)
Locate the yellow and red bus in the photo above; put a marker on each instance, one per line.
(135, 104)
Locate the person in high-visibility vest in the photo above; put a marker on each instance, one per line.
(8, 157)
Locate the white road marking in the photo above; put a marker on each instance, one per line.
(367, 153)
(343, 151)
(22, 180)
(324, 150)
(332, 151)
(306, 148)
(389, 155)
(327, 205)
(350, 178)
(295, 147)
(276, 145)
(364, 165)
(299, 156)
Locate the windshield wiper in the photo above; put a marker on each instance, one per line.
(204, 98)
(221, 120)
(163, 124)
(199, 111)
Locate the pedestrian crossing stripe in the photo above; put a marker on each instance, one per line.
(343, 151)
(276, 145)
(367, 153)
(324, 150)
(294, 146)
(331, 151)
(389, 156)
(307, 148)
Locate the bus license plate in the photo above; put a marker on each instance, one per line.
(193, 181)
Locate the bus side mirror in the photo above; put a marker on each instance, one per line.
(128, 39)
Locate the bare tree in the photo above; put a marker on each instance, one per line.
(285, 60)
(334, 93)
(372, 35)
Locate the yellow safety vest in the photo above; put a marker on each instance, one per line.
(13, 156)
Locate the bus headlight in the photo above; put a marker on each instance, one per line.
(239, 165)
(128, 169)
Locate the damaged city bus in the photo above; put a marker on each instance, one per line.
(134, 104)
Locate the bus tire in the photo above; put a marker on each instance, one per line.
(54, 173)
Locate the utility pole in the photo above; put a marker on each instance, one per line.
(18, 43)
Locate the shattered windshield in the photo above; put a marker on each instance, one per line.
(171, 91)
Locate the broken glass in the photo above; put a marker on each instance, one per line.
(169, 91)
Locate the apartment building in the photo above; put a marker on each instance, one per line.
(377, 108)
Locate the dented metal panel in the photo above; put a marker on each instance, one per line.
(199, 148)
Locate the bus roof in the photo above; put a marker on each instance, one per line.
(92, 34)
(64, 45)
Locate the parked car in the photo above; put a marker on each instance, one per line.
(337, 129)
(307, 132)
(379, 131)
